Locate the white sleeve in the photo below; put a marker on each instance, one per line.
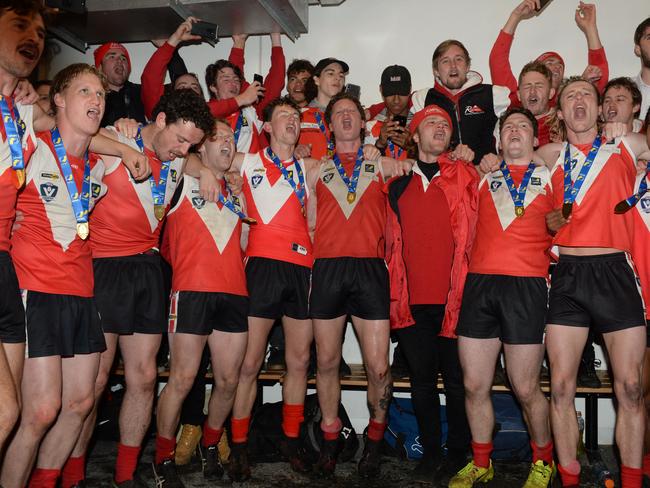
(501, 99)
(418, 99)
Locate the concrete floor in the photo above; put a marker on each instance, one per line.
(394, 473)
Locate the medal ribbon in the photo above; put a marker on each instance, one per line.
(572, 188)
(238, 126)
(518, 194)
(391, 149)
(80, 203)
(230, 205)
(634, 199)
(351, 183)
(15, 130)
(321, 126)
(299, 189)
(159, 189)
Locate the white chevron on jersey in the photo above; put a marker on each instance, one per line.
(246, 133)
(502, 198)
(643, 206)
(269, 198)
(331, 179)
(221, 222)
(44, 173)
(26, 113)
(143, 188)
(578, 157)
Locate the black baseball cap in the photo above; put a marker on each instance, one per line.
(395, 80)
(324, 63)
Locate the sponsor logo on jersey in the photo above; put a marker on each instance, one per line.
(259, 170)
(50, 176)
(473, 110)
(494, 186)
(95, 189)
(369, 168)
(328, 177)
(49, 191)
(536, 181)
(174, 175)
(198, 202)
(256, 180)
(645, 204)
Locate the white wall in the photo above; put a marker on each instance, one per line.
(371, 34)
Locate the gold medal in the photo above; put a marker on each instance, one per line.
(566, 209)
(352, 196)
(20, 176)
(519, 211)
(83, 230)
(622, 207)
(159, 211)
(249, 220)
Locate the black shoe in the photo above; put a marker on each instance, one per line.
(426, 470)
(165, 475)
(344, 368)
(239, 468)
(276, 362)
(326, 464)
(294, 454)
(212, 467)
(370, 462)
(587, 377)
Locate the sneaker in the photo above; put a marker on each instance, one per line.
(211, 461)
(294, 454)
(239, 468)
(587, 376)
(471, 474)
(326, 464)
(165, 475)
(370, 462)
(426, 470)
(541, 475)
(275, 361)
(187, 443)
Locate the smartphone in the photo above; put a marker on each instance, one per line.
(258, 78)
(73, 6)
(354, 90)
(400, 119)
(206, 30)
(542, 5)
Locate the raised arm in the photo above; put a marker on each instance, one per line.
(598, 69)
(274, 81)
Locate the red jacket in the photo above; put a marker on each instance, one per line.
(459, 183)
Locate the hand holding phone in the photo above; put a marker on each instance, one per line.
(206, 30)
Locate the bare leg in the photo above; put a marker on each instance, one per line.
(8, 398)
(16, 358)
(298, 335)
(328, 334)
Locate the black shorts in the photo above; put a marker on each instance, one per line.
(130, 294)
(277, 288)
(12, 312)
(61, 325)
(512, 308)
(197, 312)
(596, 291)
(350, 286)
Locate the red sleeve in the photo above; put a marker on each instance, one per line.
(153, 77)
(238, 59)
(597, 57)
(376, 109)
(274, 81)
(500, 69)
(223, 108)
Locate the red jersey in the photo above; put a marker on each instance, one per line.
(204, 243)
(8, 182)
(641, 244)
(311, 133)
(124, 223)
(350, 229)
(281, 231)
(373, 130)
(48, 254)
(506, 244)
(610, 179)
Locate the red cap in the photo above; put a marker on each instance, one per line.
(428, 111)
(101, 51)
(550, 54)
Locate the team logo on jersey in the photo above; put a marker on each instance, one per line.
(473, 110)
(174, 175)
(328, 177)
(369, 168)
(536, 181)
(645, 204)
(494, 186)
(51, 176)
(49, 191)
(95, 189)
(198, 202)
(256, 180)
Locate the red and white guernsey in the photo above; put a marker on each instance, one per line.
(281, 231)
(249, 134)
(8, 182)
(48, 254)
(506, 244)
(124, 223)
(203, 243)
(641, 244)
(310, 132)
(373, 131)
(610, 179)
(345, 229)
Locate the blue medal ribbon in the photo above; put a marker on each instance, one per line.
(299, 189)
(572, 188)
(230, 205)
(238, 126)
(321, 126)
(158, 189)
(15, 129)
(391, 149)
(625, 205)
(80, 202)
(351, 182)
(518, 194)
